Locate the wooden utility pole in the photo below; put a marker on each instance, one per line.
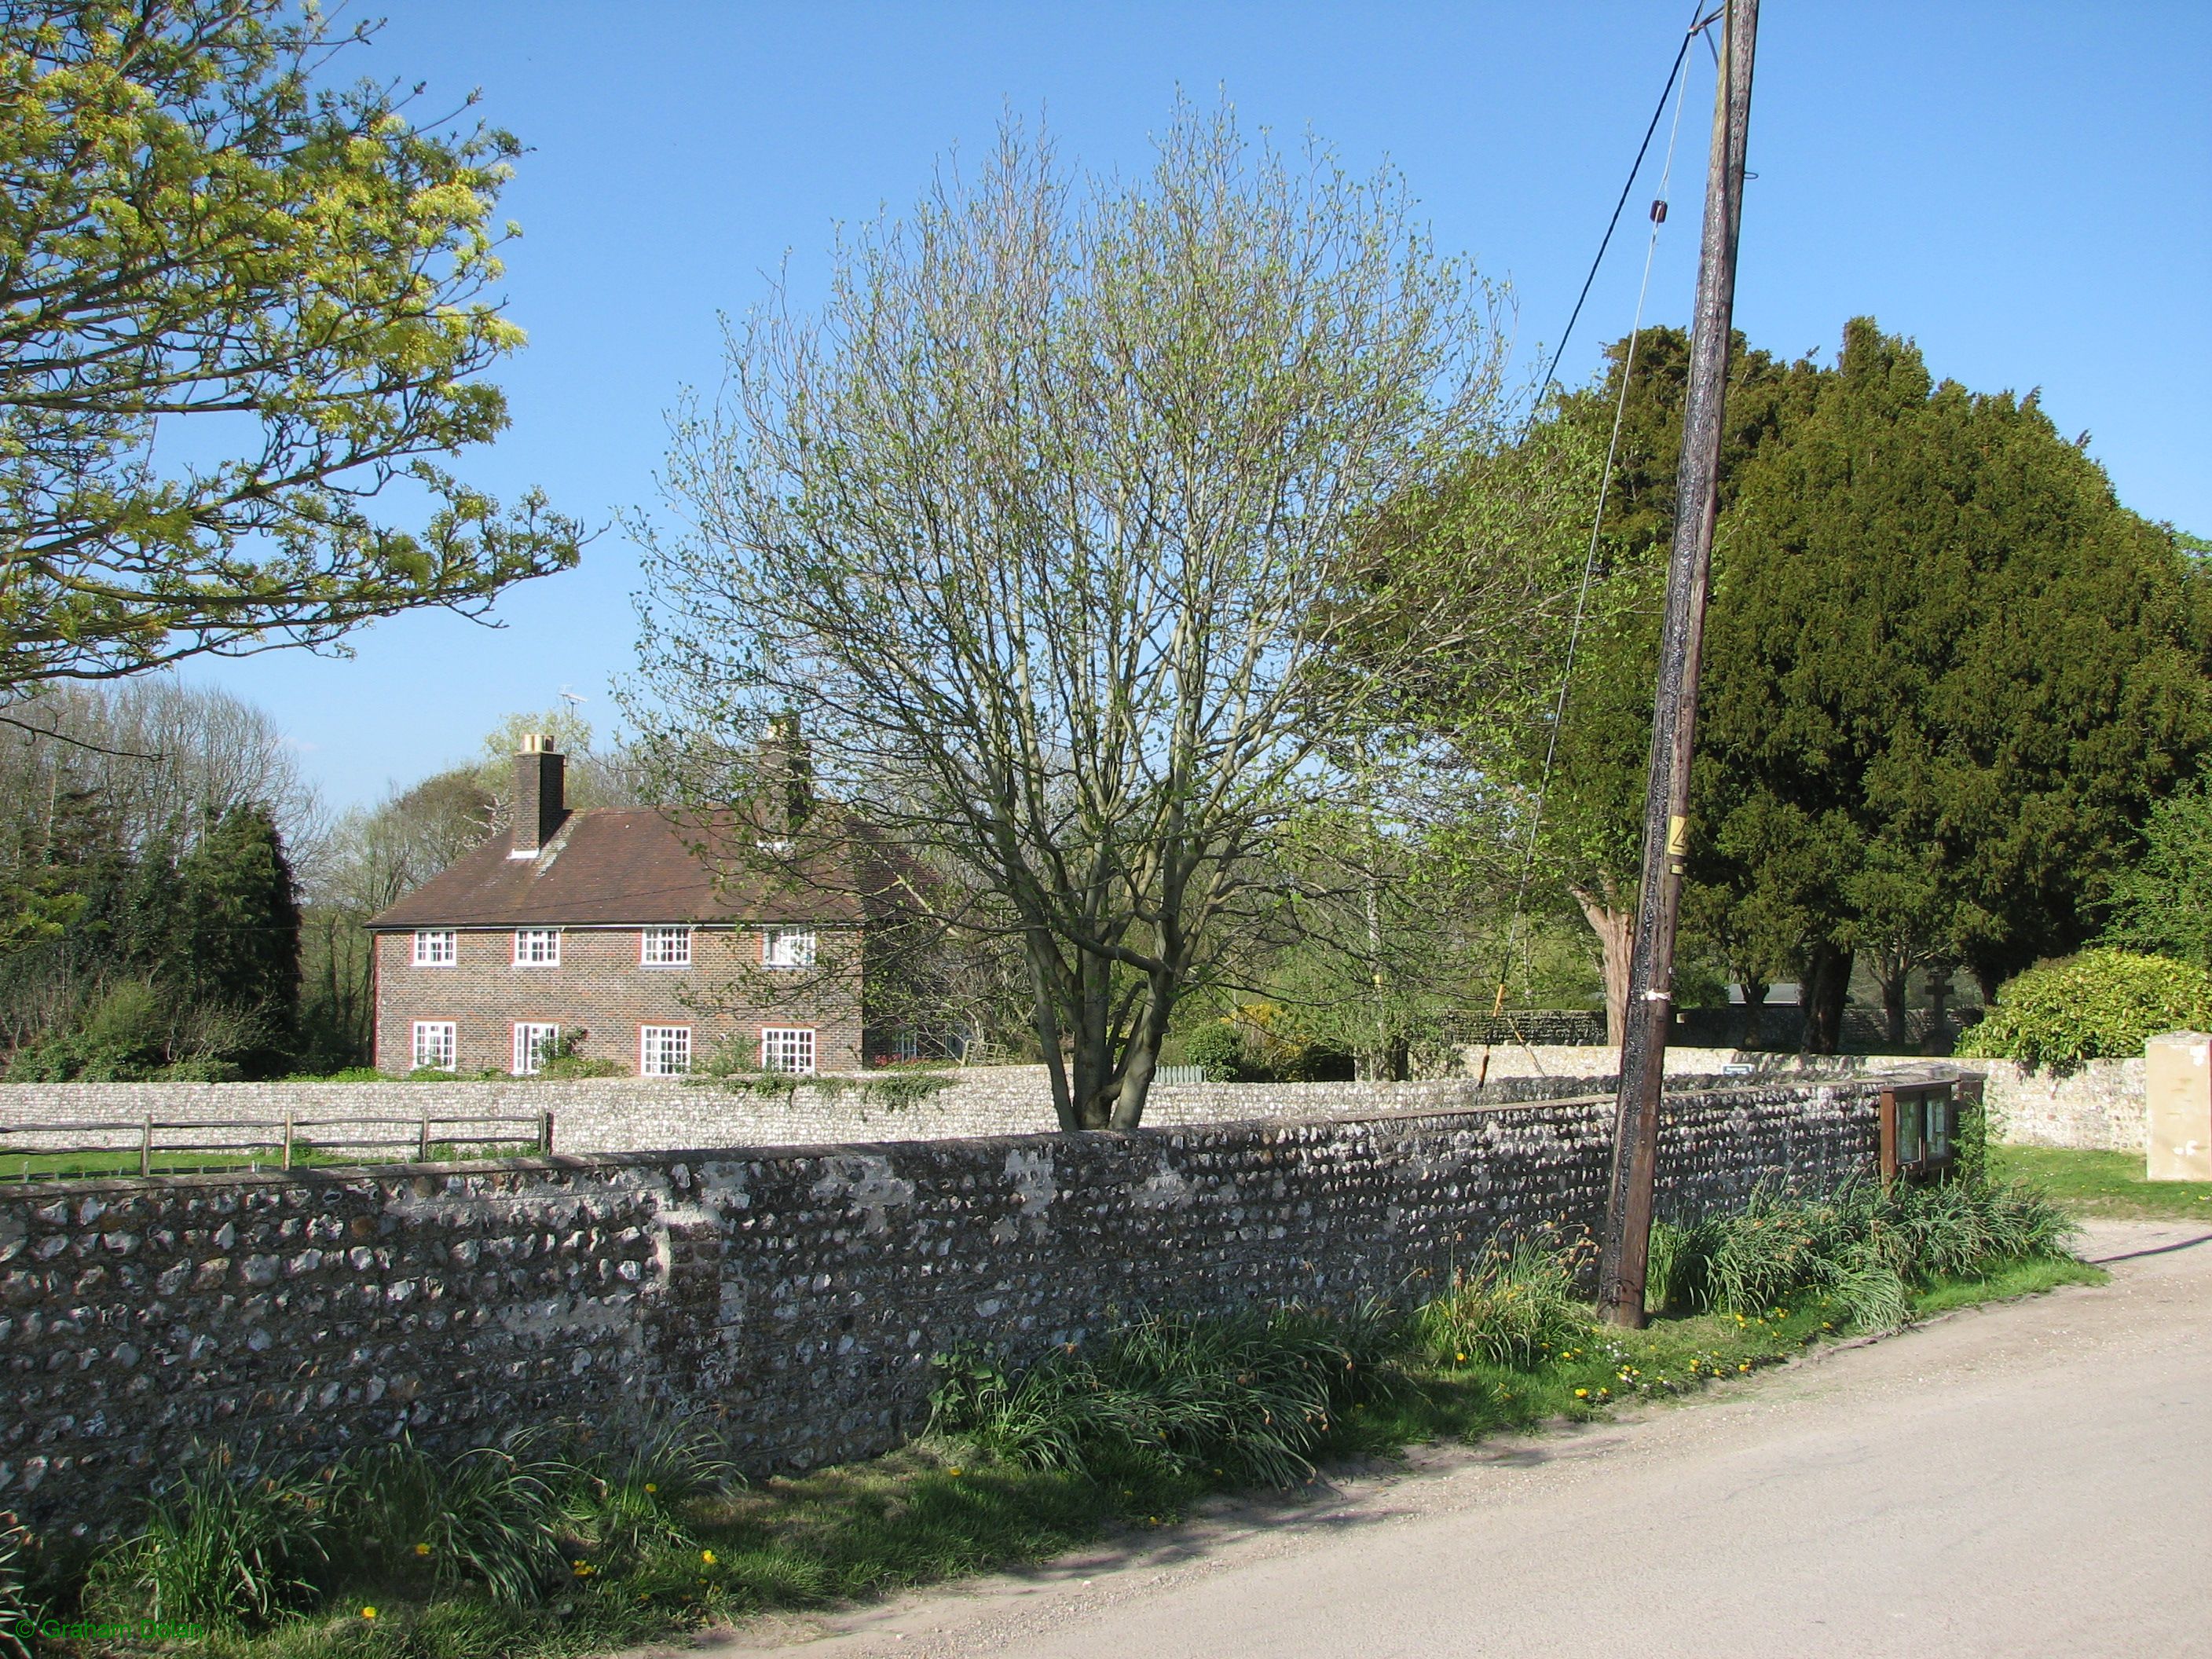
(1667, 799)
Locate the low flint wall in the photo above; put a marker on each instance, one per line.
(2099, 1106)
(796, 1293)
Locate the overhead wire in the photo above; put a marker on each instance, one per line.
(1628, 185)
(1675, 87)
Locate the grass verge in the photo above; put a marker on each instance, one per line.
(2108, 1185)
(548, 1548)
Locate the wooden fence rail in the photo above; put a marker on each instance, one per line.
(290, 1137)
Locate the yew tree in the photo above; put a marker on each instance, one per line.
(1953, 665)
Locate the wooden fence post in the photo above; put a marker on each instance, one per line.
(426, 1138)
(545, 1136)
(146, 1147)
(288, 1140)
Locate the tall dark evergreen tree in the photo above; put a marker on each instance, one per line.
(241, 929)
(1948, 675)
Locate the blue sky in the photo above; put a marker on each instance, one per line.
(2023, 188)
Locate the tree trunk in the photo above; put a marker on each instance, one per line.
(1614, 924)
(1825, 988)
(1755, 1007)
(1989, 976)
(1893, 971)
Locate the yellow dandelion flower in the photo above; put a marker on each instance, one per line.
(369, 1613)
(1582, 1394)
(650, 1486)
(954, 1473)
(707, 1556)
(422, 1549)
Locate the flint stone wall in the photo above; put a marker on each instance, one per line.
(2099, 1106)
(798, 1293)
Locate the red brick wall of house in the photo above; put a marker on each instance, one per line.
(600, 988)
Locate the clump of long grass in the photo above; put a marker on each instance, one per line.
(1515, 1308)
(1251, 1397)
(491, 1516)
(225, 1545)
(1866, 1245)
(15, 1613)
(629, 1497)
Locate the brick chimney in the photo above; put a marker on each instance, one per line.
(787, 773)
(540, 795)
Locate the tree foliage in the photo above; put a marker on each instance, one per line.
(1041, 529)
(2100, 1004)
(288, 288)
(1948, 674)
(2161, 902)
(1945, 676)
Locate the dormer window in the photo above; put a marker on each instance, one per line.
(436, 947)
(786, 947)
(538, 947)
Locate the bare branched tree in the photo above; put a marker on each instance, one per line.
(1042, 529)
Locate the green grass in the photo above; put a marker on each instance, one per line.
(2104, 1184)
(2003, 1283)
(95, 1165)
(947, 1506)
(571, 1542)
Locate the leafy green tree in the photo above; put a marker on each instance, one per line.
(289, 286)
(1493, 708)
(2162, 901)
(1947, 672)
(1041, 530)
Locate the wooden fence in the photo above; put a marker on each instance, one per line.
(46, 1150)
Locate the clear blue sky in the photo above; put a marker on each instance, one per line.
(2021, 187)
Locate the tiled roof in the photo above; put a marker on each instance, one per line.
(610, 868)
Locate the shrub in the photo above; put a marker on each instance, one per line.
(1216, 1046)
(2098, 1005)
(1514, 1310)
(1865, 1246)
(223, 1545)
(1250, 1396)
(580, 1065)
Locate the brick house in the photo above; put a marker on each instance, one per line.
(606, 933)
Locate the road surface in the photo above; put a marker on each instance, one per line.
(2033, 1478)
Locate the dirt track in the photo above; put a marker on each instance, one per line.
(2030, 1479)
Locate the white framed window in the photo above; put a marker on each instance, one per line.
(436, 1043)
(436, 947)
(665, 947)
(538, 947)
(534, 1044)
(664, 1050)
(786, 947)
(788, 1048)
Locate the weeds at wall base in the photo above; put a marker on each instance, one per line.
(944, 1507)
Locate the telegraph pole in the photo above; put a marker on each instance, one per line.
(1667, 799)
